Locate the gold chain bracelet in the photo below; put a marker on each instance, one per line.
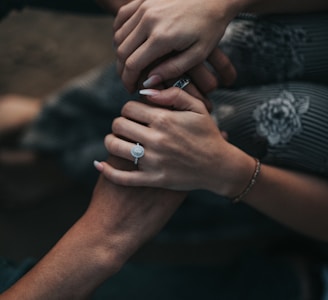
(250, 184)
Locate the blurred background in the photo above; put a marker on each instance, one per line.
(40, 51)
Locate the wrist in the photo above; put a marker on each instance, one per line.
(241, 196)
(107, 247)
(236, 172)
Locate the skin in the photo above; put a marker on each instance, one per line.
(114, 227)
(184, 138)
(203, 78)
(148, 30)
(118, 221)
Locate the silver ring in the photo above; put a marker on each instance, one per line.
(182, 83)
(137, 151)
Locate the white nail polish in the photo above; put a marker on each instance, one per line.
(149, 92)
(98, 165)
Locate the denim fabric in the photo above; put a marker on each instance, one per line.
(254, 276)
(10, 272)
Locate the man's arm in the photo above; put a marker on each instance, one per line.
(118, 221)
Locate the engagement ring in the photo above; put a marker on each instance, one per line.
(137, 151)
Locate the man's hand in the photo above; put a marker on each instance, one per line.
(131, 215)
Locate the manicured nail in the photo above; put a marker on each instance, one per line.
(98, 165)
(152, 81)
(149, 92)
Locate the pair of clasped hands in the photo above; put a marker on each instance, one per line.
(163, 40)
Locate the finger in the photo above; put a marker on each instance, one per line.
(203, 78)
(177, 65)
(176, 98)
(130, 129)
(190, 88)
(125, 12)
(223, 66)
(145, 55)
(127, 178)
(123, 52)
(193, 91)
(118, 147)
(137, 112)
(131, 28)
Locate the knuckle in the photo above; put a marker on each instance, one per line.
(175, 69)
(225, 63)
(107, 141)
(210, 85)
(120, 52)
(127, 108)
(116, 39)
(158, 35)
(122, 10)
(112, 144)
(177, 93)
(160, 143)
(161, 120)
(116, 125)
(131, 65)
(146, 8)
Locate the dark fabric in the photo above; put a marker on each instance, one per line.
(282, 124)
(254, 276)
(278, 48)
(10, 272)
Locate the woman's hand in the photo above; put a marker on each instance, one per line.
(182, 34)
(184, 150)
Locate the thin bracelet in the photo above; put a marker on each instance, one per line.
(250, 184)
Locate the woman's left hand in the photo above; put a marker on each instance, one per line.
(184, 149)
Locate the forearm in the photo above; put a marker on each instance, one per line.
(297, 200)
(118, 221)
(77, 264)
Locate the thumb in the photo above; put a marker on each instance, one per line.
(174, 98)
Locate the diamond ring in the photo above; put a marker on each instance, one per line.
(137, 151)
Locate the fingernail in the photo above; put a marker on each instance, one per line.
(152, 81)
(149, 92)
(98, 165)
